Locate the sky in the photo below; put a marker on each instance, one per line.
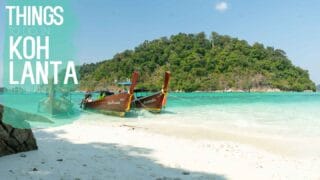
(109, 27)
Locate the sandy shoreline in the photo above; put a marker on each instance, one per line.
(148, 150)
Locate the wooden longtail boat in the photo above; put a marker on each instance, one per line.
(117, 104)
(155, 102)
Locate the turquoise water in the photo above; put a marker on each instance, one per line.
(29, 103)
(279, 113)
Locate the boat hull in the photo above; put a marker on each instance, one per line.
(153, 103)
(118, 104)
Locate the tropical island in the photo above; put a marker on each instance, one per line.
(201, 63)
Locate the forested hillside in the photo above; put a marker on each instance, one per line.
(200, 62)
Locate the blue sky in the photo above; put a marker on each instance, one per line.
(108, 27)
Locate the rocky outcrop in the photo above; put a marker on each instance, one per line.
(14, 140)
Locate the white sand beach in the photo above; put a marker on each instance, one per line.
(124, 149)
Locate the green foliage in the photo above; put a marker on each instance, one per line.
(201, 63)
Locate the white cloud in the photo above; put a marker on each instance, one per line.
(221, 6)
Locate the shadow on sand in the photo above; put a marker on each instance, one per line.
(61, 159)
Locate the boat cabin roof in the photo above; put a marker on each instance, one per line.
(128, 83)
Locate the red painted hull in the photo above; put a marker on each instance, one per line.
(153, 103)
(118, 104)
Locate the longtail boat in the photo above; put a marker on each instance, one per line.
(155, 102)
(116, 104)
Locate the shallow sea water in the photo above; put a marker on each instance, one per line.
(279, 113)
